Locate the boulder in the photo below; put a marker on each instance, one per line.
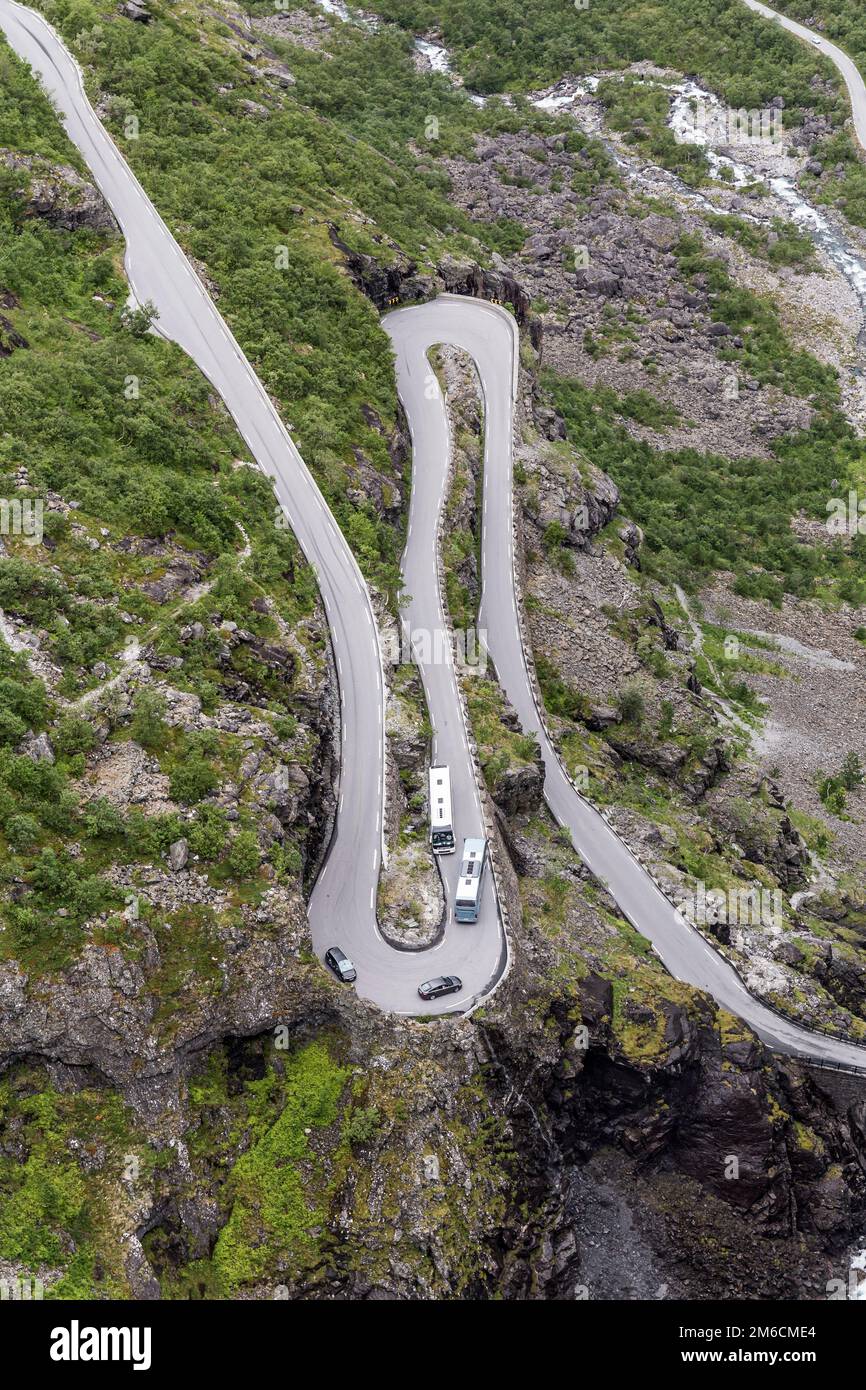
(519, 790)
(601, 717)
(661, 232)
(10, 338)
(599, 282)
(131, 9)
(178, 855)
(36, 747)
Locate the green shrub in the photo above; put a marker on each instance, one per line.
(148, 727)
(630, 704)
(244, 854)
(74, 735)
(193, 780)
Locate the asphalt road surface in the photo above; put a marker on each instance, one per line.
(489, 335)
(342, 907)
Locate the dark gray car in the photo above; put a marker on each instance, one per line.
(443, 984)
(342, 967)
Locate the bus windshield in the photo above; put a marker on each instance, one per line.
(441, 829)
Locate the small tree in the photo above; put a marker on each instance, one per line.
(244, 855)
(74, 735)
(851, 774)
(193, 780)
(148, 727)
(140, 321)
(102, 820)
(631, 705)
(363, 1125)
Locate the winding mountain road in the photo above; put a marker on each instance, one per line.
(847, 67)
(342, 906)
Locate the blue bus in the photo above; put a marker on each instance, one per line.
(468, 900)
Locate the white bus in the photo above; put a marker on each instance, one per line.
(441, 829)
(468, 899)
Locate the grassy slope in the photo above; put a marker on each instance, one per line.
(156, 465)
(236, 189)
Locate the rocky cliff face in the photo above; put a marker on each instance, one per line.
(464, 1161)
(59, 194)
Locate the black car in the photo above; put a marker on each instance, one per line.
(342, 967)
(443, 984)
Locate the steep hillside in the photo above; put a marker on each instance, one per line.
(179, 1071)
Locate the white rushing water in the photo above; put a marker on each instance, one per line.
(564, 94)
(348, 15)
(436, 56)
(697, 116)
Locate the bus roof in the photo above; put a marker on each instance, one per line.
(474, 848)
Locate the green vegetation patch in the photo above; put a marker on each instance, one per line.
(277, 1189)
(64, 1160)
